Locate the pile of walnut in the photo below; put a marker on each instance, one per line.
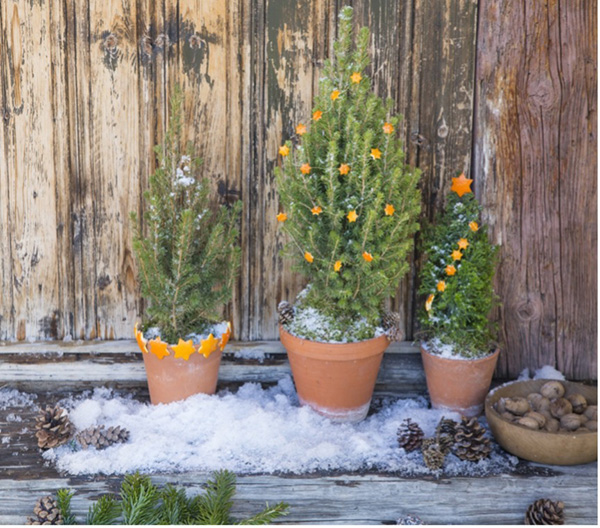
(550, 410)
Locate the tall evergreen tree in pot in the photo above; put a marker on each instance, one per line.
(349, 205)
(187, 252)
(459, 349)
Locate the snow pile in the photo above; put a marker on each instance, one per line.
(250, 353)
(14, 398)
(253, 431)
(545, 372)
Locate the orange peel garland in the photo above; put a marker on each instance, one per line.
(388, 128)
(139, 337)
(316, 210)
(281, 217)
(317, 114)
(356, 77)
(441, 286)
(208, 345)
(159, 348)
(367, 256)
(463, 243)
(474, 226)
(456, 255)
(300, 129)
(352, 216)
(308, 256)
(184, 349)
(335, 94)
(389, 210)
(429, 302)
(284, 150)
(461, 185)
(375, 153)
(450, 270)
(225, 337)
(337, 266)
(305, 169)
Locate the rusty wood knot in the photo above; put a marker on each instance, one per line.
(443, 130)
(6, 115)
(529, 310)
(419, 140)
(195, 41)
(162, 41)
(111, 41)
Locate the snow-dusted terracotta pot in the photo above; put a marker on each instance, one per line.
(459, 385)
(335, 379)
(176, 372)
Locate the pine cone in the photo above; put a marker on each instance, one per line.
(46, 512)
(545, 511)
(392, 324)
(101, 438)
(432, 454)
(410, 435)
(286, 312)
(445, 433)
(470, 442)
(53, 427)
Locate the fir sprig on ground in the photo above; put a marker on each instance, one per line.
(458, 305)
(142, 503)
(185, 243)
(349, 202)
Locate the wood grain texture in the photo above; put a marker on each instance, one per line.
(535, 170)
(84, 89)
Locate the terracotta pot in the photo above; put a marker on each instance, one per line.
(335, 379)
(459, 385)
(172, 379)
(176, 372)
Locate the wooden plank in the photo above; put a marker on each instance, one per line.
(130, 347)
(535, 166)
(31, 172)
(353, 499)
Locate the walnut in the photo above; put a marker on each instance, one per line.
(578, 402)
(539, 418)
(591, 412)
(560, 406)
(570, 422)
(553, 389)
(528, 422)
(518, 406)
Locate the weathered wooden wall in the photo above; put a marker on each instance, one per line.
(83, 93)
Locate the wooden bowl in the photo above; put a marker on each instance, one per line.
(564, 448)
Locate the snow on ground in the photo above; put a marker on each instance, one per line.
(14, 398)
(545, 372)
(253, 431)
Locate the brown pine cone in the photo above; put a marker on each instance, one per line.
(432, 454)
(444, 433)
(392, 324)
(470, 442)
(53, 427)
(46, 511)
(545, 511)
(410, 435)
(101, 438)
(286, 312)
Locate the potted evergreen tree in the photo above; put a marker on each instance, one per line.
(186, 247)
(459, 350)
(349, 205)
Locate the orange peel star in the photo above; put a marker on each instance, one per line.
(139, 337)
(284, 150)
(335, 94)
(388, 128)
(463, 243)
(367, 256)
(461, 185)
(317, 114)
(337, 266)
(281, 217)
(344, 169)
(429, 302)
(300, 129)
(308, 256)
(159, 348)
(316, 210)
(352, 216)
(389, 210)
(208, 346)
(456, 255)
(225, 337)
(474, 226)
(305, 168)
(184, 349)
(450, 270)
(375, 153)
(356, 77)
(441, 286)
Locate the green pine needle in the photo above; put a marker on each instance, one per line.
(139, 500)
(268, 515)
(105, 511)
(63, 501)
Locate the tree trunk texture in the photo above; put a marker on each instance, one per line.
(84, 88)
(536, 175)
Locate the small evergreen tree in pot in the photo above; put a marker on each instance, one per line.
(187, 252)
(457, 288)
(349, 205)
